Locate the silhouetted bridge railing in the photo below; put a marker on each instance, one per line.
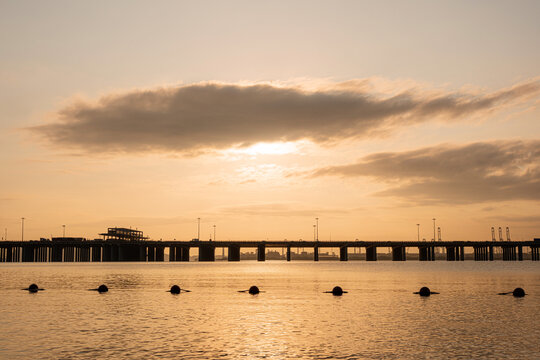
(101, 250)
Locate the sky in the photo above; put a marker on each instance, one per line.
(258, 117)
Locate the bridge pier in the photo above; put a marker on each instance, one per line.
(422, 253)
(450, 253)
(172, 253)
(261, 252)
(234, 253)
(509, 253)
(535, 254)
(316, 253)
(371, 253)
(398, 253)
(520, 253)
(96, 253)
(207, 253)
(490, 253)
(151, 251)
(28, 253)
(344, 253)
(288, 253)
(185, 253)
(160, 253)
(85, 253)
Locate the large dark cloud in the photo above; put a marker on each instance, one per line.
(200, 117)
(478, 172)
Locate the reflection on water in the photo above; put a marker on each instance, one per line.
(293, 318)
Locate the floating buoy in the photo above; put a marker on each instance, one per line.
(518, 292)
(175, 289)
(33, 288)
(425, 291)
(253, 290)
(336, 291)
(101, 289)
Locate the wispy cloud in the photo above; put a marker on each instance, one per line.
(198, 118)
(279, 209)
(473, 173)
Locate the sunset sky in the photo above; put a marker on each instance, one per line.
(258, 117)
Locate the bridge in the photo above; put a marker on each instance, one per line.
(148, 250)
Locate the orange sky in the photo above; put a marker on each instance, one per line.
(258, 118)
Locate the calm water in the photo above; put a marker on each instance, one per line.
(378, 318)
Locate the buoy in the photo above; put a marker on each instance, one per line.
(336, 291)
(175, 289)
(518, 292)
(102, 288)
(425, 291)
(33, 288)
(253, 290)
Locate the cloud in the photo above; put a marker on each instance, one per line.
(279, 209)
(473, 173)
(198, 118)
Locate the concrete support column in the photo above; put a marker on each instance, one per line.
(234, 253)
(107, 253)
(151, 251)
(96, 253)
(288, 253)
(207, 253)
(397, 253)
(115, 253)
(371, 253)
(178, 253)
(261, 252)
(56, 255)
(316, 253)
(185, 253)
(520, 253)
(160, 253)
(172, 253)
(422, 253)
(343, 253)
(450, 253)
(27, 253)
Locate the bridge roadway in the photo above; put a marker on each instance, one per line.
(110, 250)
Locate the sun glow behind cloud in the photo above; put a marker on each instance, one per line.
(266, 148)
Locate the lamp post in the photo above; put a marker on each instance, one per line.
(63, 231)
(214, 232)
(434, 236)
(22, 229)
(314, 237)
(317, 223)
(418, 231)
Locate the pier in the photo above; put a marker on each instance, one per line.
(106, 250)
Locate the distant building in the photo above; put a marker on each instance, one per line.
(123, 234)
